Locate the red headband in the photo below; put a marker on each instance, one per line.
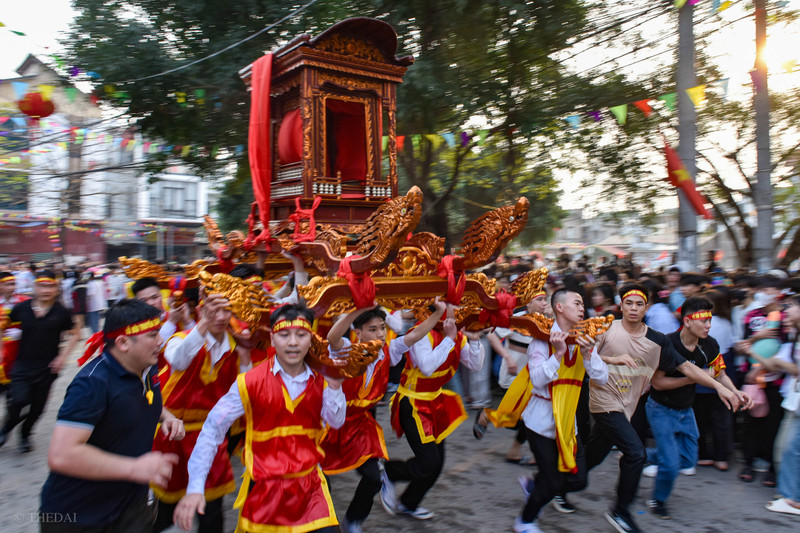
(635, 292)
(297, 323)
(699, 315)
(45, 279)
(95, 343)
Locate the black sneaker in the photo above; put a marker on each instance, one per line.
(623, 524)
(562, 505)
(659, 509)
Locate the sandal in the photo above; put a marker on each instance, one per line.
(746, 474)
(769, 480)
(478, 429)
(721, 465)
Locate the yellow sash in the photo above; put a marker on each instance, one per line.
(565, 391)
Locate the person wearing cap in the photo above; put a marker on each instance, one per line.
(633, 352)
(284, 488)
(43, 322)
(669, 407)
(100, 454)
(201, 365)
(9, 341)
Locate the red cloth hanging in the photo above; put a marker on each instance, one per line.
(500, 317)
(259, 144)
(94, 344)
(304, 214)
(455, 290)
(362, 286)
(679, 177)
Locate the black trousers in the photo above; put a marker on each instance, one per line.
(614, 429)
(138, 518)
(210, 522)
(550, 481)
(27, 391)
(366, 490)
(715, 423)
(758, 434)
(423, 469)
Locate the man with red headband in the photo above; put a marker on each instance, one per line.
(100, 454)
(427, 414)
(42, 320)
(669, 408)
(359, 443)
(202, 364)
(283, 489)
(9, 342)
(633, 352)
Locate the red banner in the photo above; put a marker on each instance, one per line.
(259, 144)
(679, 177)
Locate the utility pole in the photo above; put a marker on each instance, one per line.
(762, 247)
(687, 218)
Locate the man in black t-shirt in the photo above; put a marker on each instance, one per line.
(42, 320)
(669, 408)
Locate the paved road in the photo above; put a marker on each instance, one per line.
(477, 492)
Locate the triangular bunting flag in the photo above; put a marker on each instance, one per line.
(185, 150)
(758, 80)
(723, 83)
(435, 140)
(596, 115)
(644, 107)
(621, 112)
(788, 66)
(20, 88)
(725, 5)
(482, 134)
(415, 140)
(697, 94)
(71, 93)
(401, 141)
(21, 34)
(679, 3)
(669, 100)
(450, 139)
(46, 90)
(384, 142)
(465, 137)
(574, 121)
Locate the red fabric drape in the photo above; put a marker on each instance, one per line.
(679, 177)
(290, 138)
(362, 286)
(501, 317)
(346, 121)
(455, 290)
(304, 214)
(259, 144)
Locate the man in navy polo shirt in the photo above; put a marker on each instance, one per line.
(100, 454)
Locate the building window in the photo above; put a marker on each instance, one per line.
(173, 199)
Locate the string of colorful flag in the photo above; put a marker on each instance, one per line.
(54, 225)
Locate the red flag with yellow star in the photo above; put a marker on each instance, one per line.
(679, 177)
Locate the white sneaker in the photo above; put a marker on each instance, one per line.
(526, 527)
(527, 484)
(420, 513)
(388, 494)
(688, 471)
(650, 471)
(350, 527)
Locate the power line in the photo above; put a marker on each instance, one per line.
(229, 47)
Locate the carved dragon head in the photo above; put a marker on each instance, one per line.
(489, 234)
(386, 229)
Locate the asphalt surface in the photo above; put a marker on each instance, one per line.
(477, 491)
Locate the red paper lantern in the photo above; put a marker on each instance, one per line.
(35, 106)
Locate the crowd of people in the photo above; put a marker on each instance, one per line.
(698, 369)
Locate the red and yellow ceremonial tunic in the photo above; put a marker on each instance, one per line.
(361, 437)
(437, 411)
(10, 346)
(190, 394)
(284, 490)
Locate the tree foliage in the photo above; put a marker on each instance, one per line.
(494, 65)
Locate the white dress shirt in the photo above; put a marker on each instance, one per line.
(168, 329)
(543, 369)
(428, 359)
(180, 352)
(230, 407)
